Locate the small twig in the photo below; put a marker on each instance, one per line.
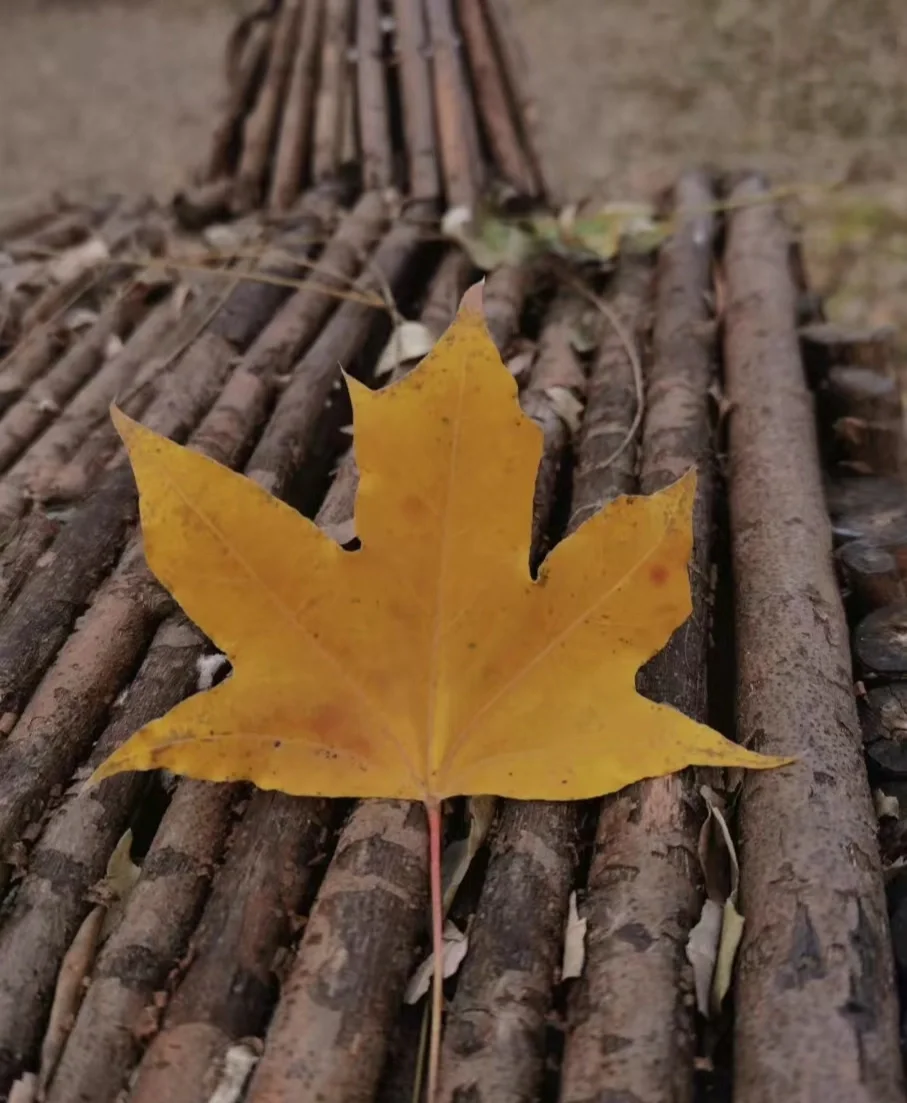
(50, 322)
(388, 300)
(627, 341)
(261, 277)
(203, 322)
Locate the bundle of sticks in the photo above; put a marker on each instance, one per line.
(425, 96)
(264, 943)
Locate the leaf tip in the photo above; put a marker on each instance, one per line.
(126, 426)
(473, 301)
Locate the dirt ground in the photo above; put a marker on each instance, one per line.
(117, 95)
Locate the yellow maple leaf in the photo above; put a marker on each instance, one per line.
(428, 663)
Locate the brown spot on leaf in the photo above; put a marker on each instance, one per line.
(658, 575)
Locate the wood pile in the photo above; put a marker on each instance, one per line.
(264, 943)
(425, 96)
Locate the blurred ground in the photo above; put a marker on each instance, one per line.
(113, 95)
(118, 94)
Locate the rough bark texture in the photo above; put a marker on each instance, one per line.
(494, 106)
(73, 852)
(28, 361)
(867, 425)
(335, 86)
(494, 1041)
(816, 1011)
(630, 1025)
(261, 125)
(40, 617)
(23, 550)
(23, 421)
(826, 344)
(374, 113)
(146, 944)
(347, 982)
(503, 299)
(38, 621)
(241, 93)
(454, 118)
(874, 572)
(416, 94)
(161, 332)
(556, 366)
(296, 127)
(515, 64)
(289, 432)
(230, 986)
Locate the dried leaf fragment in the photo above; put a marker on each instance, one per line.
(25, 1089)
(239, 1061)
(73, 262)
(409, 342)
(70, 987)
(574, 943)
(456, 943)
(459, 854)
(712, 944)
(489, 241)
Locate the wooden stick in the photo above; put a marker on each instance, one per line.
(417, 99)
(816, 1012)
(32, 759)
(374, 113)
(27, 216)
(20, 555)
(506, 290)
(454, 113)
(866, 419)
(39, 620)
(827, 345)
(330, 104)
(37, 408)
(516, 68)
(49, 908)
(198, 206)
(264, 884)
(69, 228)
(29, 361)
(36, 469)
(638, 987)
(260, 129)
(289, 431)
(873, 571)
(242, 90)
(492, 103)
(297, 125)
(148, 941)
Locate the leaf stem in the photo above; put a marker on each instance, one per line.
(433, 811)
